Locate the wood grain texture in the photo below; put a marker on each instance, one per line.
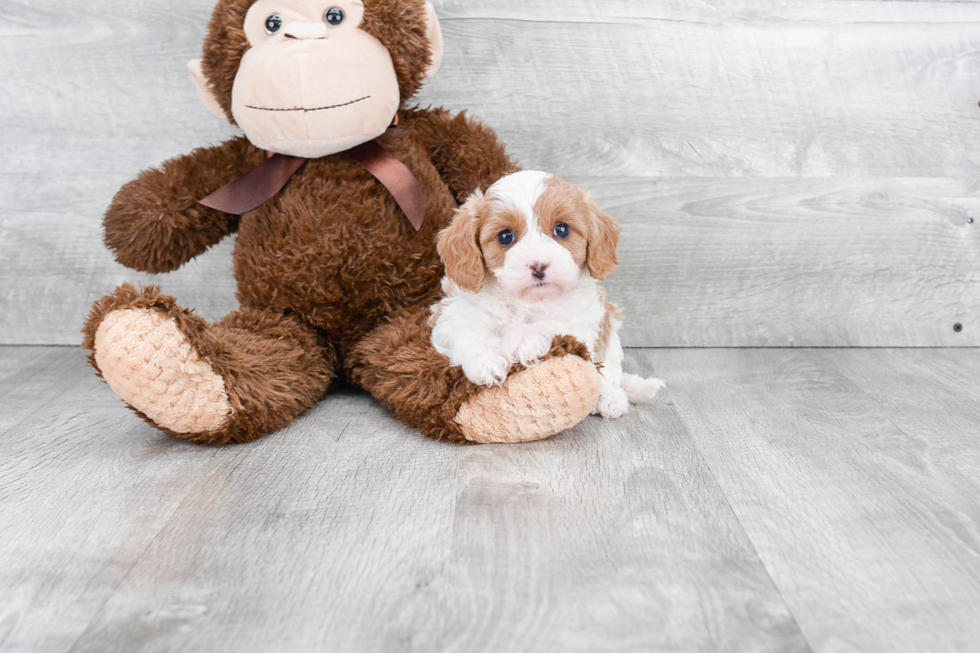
(721, 88)
(617, 94)
(81, 497)
(706, 262)
(773, 500)
(859, 497)
(349, 532)
(805, 262)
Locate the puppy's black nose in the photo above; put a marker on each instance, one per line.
(537, 270)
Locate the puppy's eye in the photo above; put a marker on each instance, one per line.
(506, 238)
(334, 16)
(273, 23)
(562, 230)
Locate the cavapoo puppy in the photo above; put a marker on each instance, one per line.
(523, 265)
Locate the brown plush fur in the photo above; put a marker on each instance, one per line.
(397, 364)
(332, 278)
(224, 47)
(401, 26)
(333, 252)
(274, 367)
(155, 223)
(335, 248)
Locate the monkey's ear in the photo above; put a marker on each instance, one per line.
(435, 39)
(204, 90)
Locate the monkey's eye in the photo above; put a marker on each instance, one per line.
(506, 238)
(334, 16)
(273, 23)
(562, 230)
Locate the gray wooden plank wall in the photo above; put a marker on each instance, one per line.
(791, 173)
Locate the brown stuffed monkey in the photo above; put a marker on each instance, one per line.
(335, 274)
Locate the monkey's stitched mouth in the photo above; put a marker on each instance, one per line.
(336, 106)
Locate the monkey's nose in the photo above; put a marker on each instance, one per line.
(537, 270)
(301, 30)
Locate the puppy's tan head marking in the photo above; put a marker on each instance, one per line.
(563, 203)
(499, 219)
(593, 235)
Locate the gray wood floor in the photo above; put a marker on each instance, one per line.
(772, 500)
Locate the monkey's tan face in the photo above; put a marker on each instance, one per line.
(312, 84)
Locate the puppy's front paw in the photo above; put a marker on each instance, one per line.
(486, 370)
(613, 403)
(532, 348)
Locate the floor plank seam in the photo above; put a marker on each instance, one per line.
(879, 401)
(52, 400)
(136, 561)
(738, 520)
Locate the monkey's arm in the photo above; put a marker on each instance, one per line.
(468, 154)
(155, 224)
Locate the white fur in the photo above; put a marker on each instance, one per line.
(515, 317)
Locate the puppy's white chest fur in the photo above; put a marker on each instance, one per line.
(521, 331)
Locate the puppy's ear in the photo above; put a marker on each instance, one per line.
(601, 258)
(459, 245)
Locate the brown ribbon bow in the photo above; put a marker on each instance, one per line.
(261, 184)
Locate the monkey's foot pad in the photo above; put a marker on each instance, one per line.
(534, 404)
(149, 363)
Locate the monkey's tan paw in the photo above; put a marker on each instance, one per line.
(148, 362)
(534, 404)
